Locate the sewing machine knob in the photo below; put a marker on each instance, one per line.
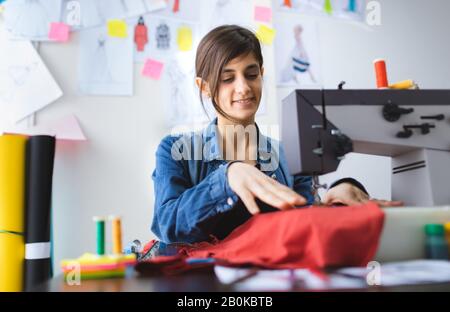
(343, 145)
(392, 112)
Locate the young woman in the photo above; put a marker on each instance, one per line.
(210, 182)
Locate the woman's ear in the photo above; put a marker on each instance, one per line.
(203, 86)
(262, 71)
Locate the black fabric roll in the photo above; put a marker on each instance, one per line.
(40, 155)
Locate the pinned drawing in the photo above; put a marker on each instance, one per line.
(96, 12)
(106, 63)
(184, 107)
(100, 71)
(341, 9)
(297, 53)
(31, 19)
(239, 12)
(26, 85)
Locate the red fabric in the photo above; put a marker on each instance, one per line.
(314, 237)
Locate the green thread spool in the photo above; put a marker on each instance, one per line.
(100, 226)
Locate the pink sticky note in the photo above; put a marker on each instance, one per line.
(59, 32)
(152, 69)
(263, 14)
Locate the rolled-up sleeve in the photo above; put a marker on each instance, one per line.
(185, 212)
(303, 186)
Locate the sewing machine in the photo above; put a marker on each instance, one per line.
(412, 126)
(319, 127)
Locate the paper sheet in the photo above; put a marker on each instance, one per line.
(30, 19)
(221, 12)
(105, 63)
(117, 28)
(297, 52)
(265, 34)
(66, 128)
(26, 85)
(341, 9)
(184, 38)
(163, 38)
(94, 13)
(59, 32)
(183, 107)
(406, 272)
(263, 14)
(247, 279)
(152, 69)
(188, 11)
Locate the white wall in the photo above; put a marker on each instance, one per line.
(111, 173)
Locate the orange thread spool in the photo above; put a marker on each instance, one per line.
(381, 74)
(116, 235)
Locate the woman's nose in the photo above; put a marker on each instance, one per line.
(241, 85)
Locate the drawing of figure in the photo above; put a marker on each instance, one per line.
(179, 109)
(31, 21)
(163, 36)
(101, 71)
(298, 63)
(20, 74)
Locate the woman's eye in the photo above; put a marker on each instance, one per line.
(252, 77)
(227, 80)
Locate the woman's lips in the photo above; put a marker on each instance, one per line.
(245, 102)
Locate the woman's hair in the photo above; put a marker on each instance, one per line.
(216, 49)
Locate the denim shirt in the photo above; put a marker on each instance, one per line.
(193, 200)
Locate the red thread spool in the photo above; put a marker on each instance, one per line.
(381, 74)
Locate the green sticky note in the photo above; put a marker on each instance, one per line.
(265, 34)
(327, 7)
(117, 28)
(184, 38)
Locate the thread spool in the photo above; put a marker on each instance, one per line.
(116, 234)
(404, 85)
(381, 74)
(100, 229)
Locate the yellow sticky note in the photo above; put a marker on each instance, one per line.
(265, 34)
(184, 38)
(117, 28)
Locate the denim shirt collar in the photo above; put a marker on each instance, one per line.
(210, 136)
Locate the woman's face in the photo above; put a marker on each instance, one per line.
(240, 88)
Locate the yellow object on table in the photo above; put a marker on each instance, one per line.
(92, 266)
(12, 209)
(404, 85)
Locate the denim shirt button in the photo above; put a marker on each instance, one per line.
(274, 176)
(230, 201)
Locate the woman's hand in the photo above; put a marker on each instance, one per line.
(346, 194)
(250, 183)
